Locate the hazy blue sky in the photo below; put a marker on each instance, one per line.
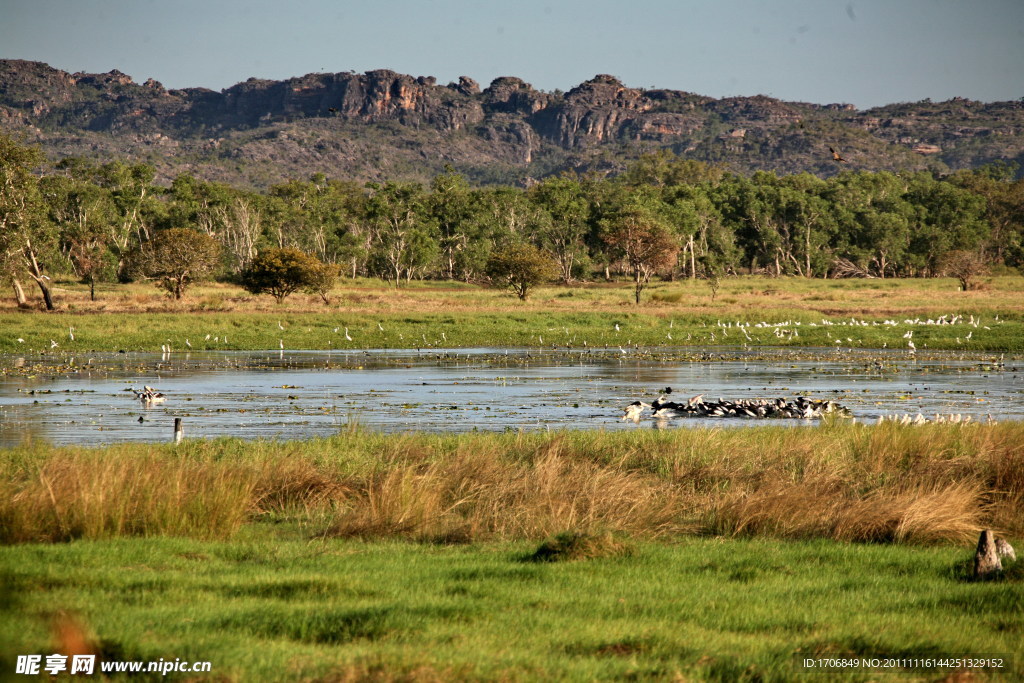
(867, 52)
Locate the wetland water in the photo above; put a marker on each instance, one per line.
(299, 394)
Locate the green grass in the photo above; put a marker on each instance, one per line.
(702, 554)
(274, 605)
(258, 331)
(445, 314)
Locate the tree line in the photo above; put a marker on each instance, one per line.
(666, 216)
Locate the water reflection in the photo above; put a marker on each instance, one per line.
(290, 394)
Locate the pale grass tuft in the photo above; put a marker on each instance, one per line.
(477, 496)
(288, 485)
(91, 494)
(918, 514)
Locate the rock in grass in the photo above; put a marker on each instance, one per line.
(571, 545)
(1004, 549)
(986, 558)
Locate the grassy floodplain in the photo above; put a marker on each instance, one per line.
(445, 314)
(699, 554)
(693, 554)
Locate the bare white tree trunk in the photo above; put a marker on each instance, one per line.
(241, 225)
(19, 293)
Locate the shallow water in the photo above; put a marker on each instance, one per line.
(298, 394)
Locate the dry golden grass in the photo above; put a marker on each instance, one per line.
(741, 297)
(827, 509)
(473, 496)
(96, 494)
(886, 483)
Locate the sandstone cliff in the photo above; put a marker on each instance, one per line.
(382, 124)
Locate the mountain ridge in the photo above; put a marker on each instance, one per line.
(386, 125)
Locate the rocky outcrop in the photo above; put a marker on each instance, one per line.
(380, 95)
(514, 96)
(365, 125)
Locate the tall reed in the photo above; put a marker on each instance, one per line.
(890, 483)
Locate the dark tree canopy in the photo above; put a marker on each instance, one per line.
(175, 258)
(281, 272)
(521, 267)
(321, 279)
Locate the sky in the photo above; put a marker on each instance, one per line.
(864, 52)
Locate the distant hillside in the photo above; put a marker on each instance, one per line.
(382, 124)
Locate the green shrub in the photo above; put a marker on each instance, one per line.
(280, 272)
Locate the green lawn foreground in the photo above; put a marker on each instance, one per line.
(275, 605)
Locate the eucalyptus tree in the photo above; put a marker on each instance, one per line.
(1004, 209)
(704, 236)
(28, 241)
(352, 233)
(405, 238)
(946, 218)
(607, 200)
(452, 208)
(510, 213)
(136, 204)
(872, 216)
(639, 231)
(310, 214)
(563, 198)
(175, 258)
(82, 213)
(750, 208)
(807, 225)
(236, 219)
(665, 169)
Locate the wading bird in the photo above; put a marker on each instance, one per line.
(635, 410)
(149, 395)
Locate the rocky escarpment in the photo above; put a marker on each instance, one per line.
(385, 124)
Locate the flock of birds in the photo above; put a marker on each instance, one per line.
(149, 396)
(663, 407)
(801, 408)
(919, 419)
(784, 331)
